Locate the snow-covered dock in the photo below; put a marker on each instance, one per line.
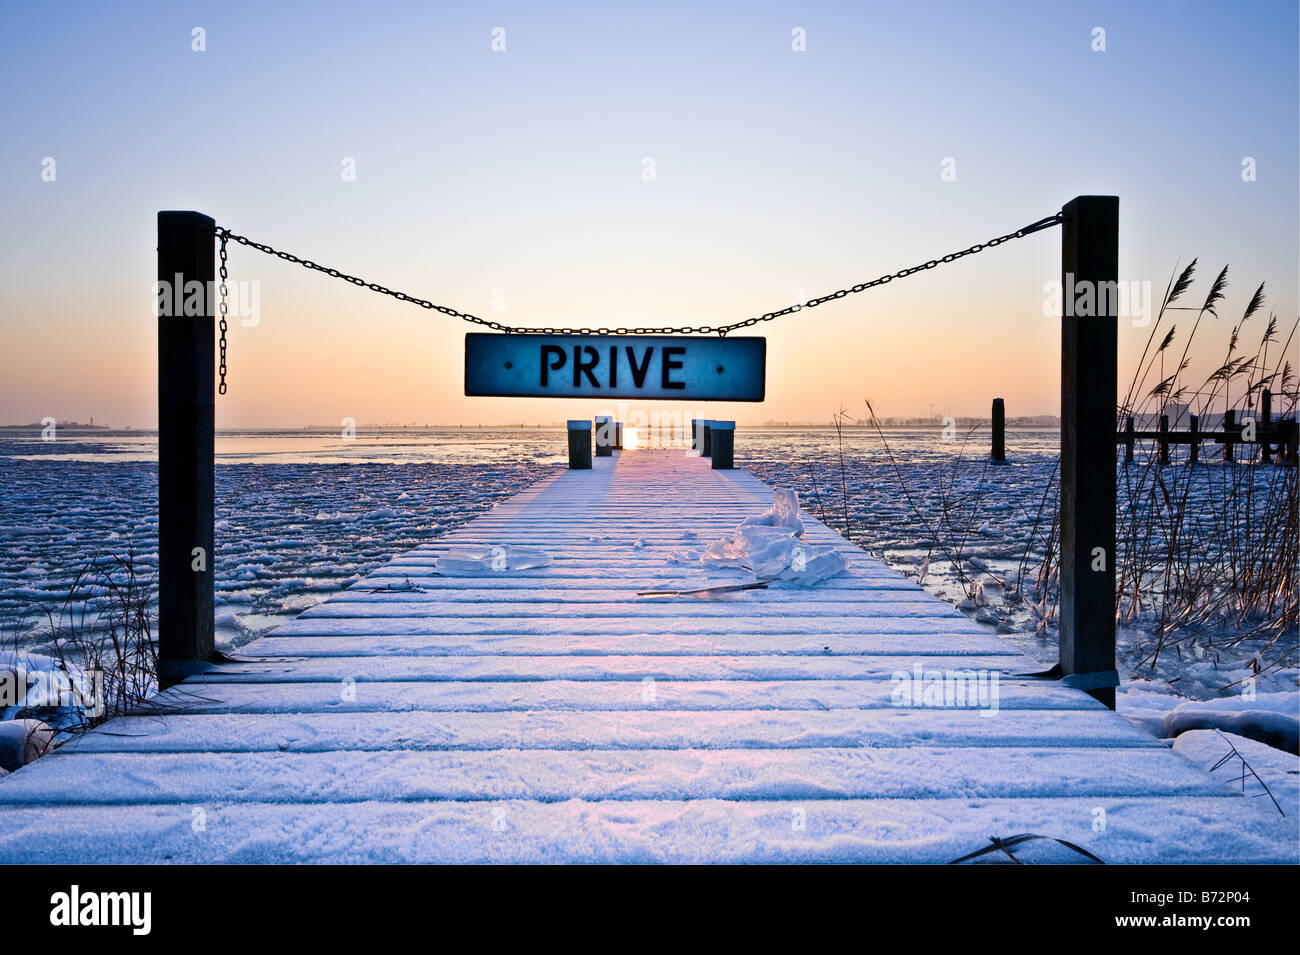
(552, 714)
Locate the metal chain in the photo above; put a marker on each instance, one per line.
(1033, 227)
(221, 367)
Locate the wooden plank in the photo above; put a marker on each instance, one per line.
(1210, 829)
(577, 695)
(688, 729)
(84, 779)
(623, 666)
(951, 645)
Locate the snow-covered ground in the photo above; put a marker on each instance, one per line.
(302, 514)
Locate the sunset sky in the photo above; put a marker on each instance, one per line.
(518, 176)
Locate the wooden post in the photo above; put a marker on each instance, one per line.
(1194, 426)
(186, 424)
(1229, 427)
(604, 436)
(1290, 455)
(579, 444)
(1164, 439)
(1128, 440)
(999, 422)
(1266, 424)
(618, 436)
(724, 444)
(1089, 257)
(706, 447)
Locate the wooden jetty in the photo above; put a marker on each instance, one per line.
(553, 715)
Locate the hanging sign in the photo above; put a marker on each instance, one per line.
(665, 367)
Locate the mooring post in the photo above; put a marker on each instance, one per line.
(1194, 437)
(999, 421)
(1128, 440)
(1164, 439)
(579, 444)
(618, 436)
(186, 426)
(1089, 260)
(1292, 454)
(1266, 424)
(1229, 429)
(706, 444)
(724, 445)
(604, 436)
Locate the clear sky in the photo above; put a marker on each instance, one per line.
(482, 172)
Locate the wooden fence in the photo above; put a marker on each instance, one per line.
(1278, 440)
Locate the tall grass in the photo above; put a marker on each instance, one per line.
(100, 639)
(1209, 552)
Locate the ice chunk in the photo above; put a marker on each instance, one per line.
(770, 547)
(784, 512)
(22, 741)
(496, 558)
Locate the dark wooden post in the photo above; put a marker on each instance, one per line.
(999, 422)
(724, 444)
(1194, 438)
(1229, 429)
(186, 424)
(1266, 424)
(706, 446)
(1291, 454)
(579, 444)
(1128, 440)
(1164, 439)
(604, 436)
(1089, 256)
(618, 436)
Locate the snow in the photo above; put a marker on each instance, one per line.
(1272, 718)
(436, 713)
(1277, 772)
(695, 831)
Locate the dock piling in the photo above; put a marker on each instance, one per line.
(604, 436)
(724, 444)
(999, 422)
(706, 444)
(1266, 424)
(1089, 257)
(186, 432)
(579, 444)
(1128, 440)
